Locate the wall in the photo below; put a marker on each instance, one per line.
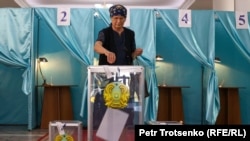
(223, 5)
(242, 5)
(202, 5)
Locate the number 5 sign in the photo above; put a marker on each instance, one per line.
(241, 20)
(185, 18)
(63, 16)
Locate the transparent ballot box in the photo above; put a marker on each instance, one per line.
(115, 102)
(65, 130)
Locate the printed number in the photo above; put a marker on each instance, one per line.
(185, 18)
(242, 20)
(64, 16)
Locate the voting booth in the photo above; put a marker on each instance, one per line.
(115, 101)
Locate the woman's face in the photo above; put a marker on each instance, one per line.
(118, 21)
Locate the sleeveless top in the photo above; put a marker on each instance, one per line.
(123, 46)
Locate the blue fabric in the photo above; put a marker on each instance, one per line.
(241, 39)
(73, 37)
(143, 22)
(15, 48)
(201, 47)
(104, 15)
(16, 31)
(78, 39)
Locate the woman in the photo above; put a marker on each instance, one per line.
(116, 43)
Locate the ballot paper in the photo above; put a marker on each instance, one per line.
(112, 124)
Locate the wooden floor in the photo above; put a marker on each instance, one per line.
(20, 133)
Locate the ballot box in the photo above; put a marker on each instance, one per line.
(115, 102)
(69, 130)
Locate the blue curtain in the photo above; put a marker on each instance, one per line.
(104, 15)
(78, 38)
(201, 47)
(143, 22)
(16, 44)
(15, 48)
(241, 39)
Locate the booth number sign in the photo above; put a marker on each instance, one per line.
(241, 20)
(63, 16)
(185, 19)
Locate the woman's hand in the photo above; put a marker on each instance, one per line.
(137, 52)
(110, 57)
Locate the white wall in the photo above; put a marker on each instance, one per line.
(242, 5)
(224, 5)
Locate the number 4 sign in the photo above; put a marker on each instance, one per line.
(185, 18)
(241, 20)
(63, 16)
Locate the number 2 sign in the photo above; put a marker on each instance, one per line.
(185, 18)
(63, 16)
(241, 20)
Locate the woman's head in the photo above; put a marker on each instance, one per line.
(118, 14)
(118, 10)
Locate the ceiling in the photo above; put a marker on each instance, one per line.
(91, 3)
(167, 4)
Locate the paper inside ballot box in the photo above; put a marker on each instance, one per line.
(112, 124)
